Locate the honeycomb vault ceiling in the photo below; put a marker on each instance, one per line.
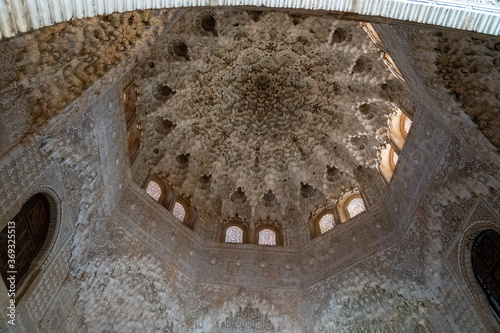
(262, 114)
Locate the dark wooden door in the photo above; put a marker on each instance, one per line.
(486, 265)
(31, 227)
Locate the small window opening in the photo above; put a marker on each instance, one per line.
(179, 211)
(355, 206)
(406, 125)
(326, 223)
(267, 237)
(154, 190)
(234, 234)
(394, 158)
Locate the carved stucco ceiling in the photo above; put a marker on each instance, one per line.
(257, 114)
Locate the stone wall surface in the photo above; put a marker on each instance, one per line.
(66, 164)
(404, 286)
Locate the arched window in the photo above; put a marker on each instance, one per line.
(486, 266)
(154, 190)
(389, 154)
(323, 221)
(234, 234)
(394, 159)
(267, 237)
(398, 130)
(179, 211)
(160, 190)
(133, 131)
(405, 125)
(129, 100)
(388, 159)
(355, 206)
(326, 223)
(133, 141)
(30, 227)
